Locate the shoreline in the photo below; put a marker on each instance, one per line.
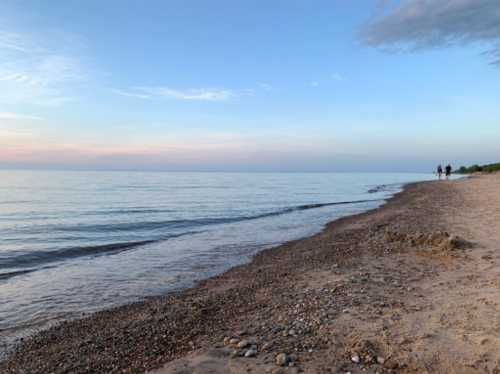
(297, 299)
(9, 346)
(12, 342)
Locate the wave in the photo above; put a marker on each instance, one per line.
(22, 216)
(184, 223)
(16, 202)
(43, 257)
(314, 206)
(11, 274)
(127, 211)
(36, 258)
(385, 188)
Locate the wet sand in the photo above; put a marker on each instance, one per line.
(411, 287)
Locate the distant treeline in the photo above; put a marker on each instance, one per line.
(490, 168)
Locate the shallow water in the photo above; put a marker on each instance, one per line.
(75, 242)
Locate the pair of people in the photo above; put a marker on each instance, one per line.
(447, 171)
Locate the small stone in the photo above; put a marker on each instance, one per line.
(282, 359)
(356, 359)
(380, 360)
(251, 353)
(234, 341)
(243, 344)
(226, 340)
(266, 346)
(391, 364)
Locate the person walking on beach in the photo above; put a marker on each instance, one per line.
(440, 171)
(448, 171)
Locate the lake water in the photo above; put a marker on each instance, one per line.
(74, 242)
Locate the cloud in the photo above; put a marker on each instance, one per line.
(131, 94)
(12, 41)
(202, 94)
(35, 75)
(9, 116)
(422, 24)
(265, 86)
(191, 94)
(314, 84)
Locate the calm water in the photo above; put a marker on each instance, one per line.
(73, 242)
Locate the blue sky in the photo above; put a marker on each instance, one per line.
(249, 85)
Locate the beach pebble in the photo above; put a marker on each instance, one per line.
(234, 341)
(251, 353)
(282, 359)
(380, 360)
(356, 359)
(243, 344)
(266, 346)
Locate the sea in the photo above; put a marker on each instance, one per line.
(72, 243)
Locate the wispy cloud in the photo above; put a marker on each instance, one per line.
(10, 116)
(131, 94)
(326, 81)
(265, 86)
(191, 94)
(13, 42)
(420, 24)
(29, 73)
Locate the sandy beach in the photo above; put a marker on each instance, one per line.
(411, 287)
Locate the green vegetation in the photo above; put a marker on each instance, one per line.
(490, 168)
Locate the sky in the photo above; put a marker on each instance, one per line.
(249, 85)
